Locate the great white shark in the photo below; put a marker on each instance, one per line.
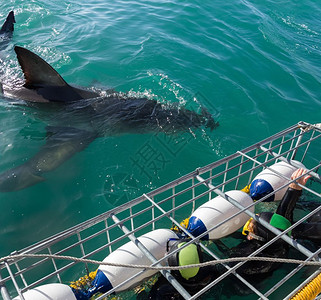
(81, 115)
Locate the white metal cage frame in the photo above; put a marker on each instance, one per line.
(160, 208)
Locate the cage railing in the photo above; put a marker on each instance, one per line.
(164, 206)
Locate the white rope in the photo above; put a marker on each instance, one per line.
(11, 258)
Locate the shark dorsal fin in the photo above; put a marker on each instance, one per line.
(8, 24)
(37, 72)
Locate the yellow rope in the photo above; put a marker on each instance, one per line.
(184, 224)
(246, 189)
(310, 291)
(83, 282)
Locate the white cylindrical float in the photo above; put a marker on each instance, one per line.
(268, 181)
(52, 291)
(110, 276)
(217, 210)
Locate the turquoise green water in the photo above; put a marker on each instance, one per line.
(255, 66)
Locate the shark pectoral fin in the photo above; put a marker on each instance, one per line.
(61, 144)
(19, 178)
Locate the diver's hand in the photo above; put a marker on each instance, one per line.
(303, 180)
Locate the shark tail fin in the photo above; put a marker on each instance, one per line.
(8, 24)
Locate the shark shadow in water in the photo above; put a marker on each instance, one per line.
(81, 116)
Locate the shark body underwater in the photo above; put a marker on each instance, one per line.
(82, 116)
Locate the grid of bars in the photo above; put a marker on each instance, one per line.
(99, 236)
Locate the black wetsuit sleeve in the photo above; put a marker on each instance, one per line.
(288, 202)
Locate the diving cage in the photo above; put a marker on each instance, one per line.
(47, 261)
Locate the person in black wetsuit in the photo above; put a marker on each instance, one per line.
(258, 235)
(309, 230)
